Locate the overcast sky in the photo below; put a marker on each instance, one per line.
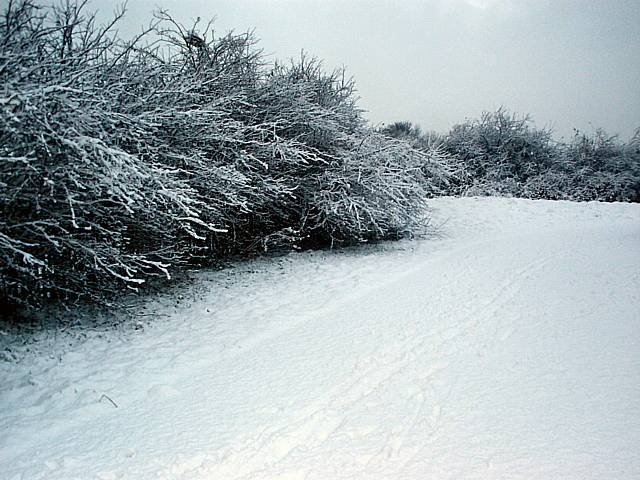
(568, 63)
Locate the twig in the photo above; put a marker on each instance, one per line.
(104, 395)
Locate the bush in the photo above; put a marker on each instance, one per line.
(498, 152)
(441, 169)
(601, 168)
(122, 161)
(82, 211)
(501, 154)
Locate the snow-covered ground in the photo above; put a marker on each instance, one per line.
(506, 347)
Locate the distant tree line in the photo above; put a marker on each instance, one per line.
(501, 153)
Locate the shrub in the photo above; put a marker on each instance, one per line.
(499, 151)
(441, 169)
(82, 211)
(601, 168)
(122, 161)
(501, 154)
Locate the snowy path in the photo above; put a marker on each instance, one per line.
(508, 348)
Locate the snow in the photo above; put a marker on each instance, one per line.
(506, 346)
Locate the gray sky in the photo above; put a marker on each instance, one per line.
(568, 63)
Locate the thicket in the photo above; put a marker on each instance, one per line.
(122, 161)
(501, 153)
(593, 166)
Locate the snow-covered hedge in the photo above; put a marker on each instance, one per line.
(503, 154)
(124, 160)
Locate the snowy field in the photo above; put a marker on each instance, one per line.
(507, 346)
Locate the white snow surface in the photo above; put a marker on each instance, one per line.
(507, 346)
